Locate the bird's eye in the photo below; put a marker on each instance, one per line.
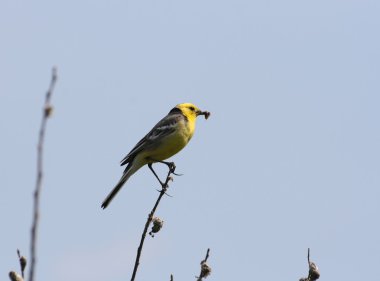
(192, 108)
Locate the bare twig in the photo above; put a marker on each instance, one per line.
(46, 114)
(171, 277)
(205, 269)
(163, 190)
(313, 269)
(207, 255)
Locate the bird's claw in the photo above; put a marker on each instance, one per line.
(172, 167)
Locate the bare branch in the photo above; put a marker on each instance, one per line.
(163, 190)
(47, 110)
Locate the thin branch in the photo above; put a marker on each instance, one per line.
(163, 190)
(207, 255)
(205, 269)
(46, 114)
(171, 277)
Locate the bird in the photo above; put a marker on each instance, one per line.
(169, 136)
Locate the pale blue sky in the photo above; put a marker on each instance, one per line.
(288, 160)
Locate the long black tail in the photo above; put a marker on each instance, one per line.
(114, 191)
(129, 171)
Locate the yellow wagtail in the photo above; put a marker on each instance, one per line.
(167, 138)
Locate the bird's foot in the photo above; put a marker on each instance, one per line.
(172, 167)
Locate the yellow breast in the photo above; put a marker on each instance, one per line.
(174, 142)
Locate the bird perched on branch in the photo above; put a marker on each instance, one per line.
(167, 138)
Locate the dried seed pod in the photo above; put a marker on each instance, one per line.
(205, 270)
(15, 276)
(157, 225)
(23, 263)
(313, 272)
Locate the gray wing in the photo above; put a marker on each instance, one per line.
(164, 127)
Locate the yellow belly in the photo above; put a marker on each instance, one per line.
(171, 144)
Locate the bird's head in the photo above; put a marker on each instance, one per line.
(191, 111)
